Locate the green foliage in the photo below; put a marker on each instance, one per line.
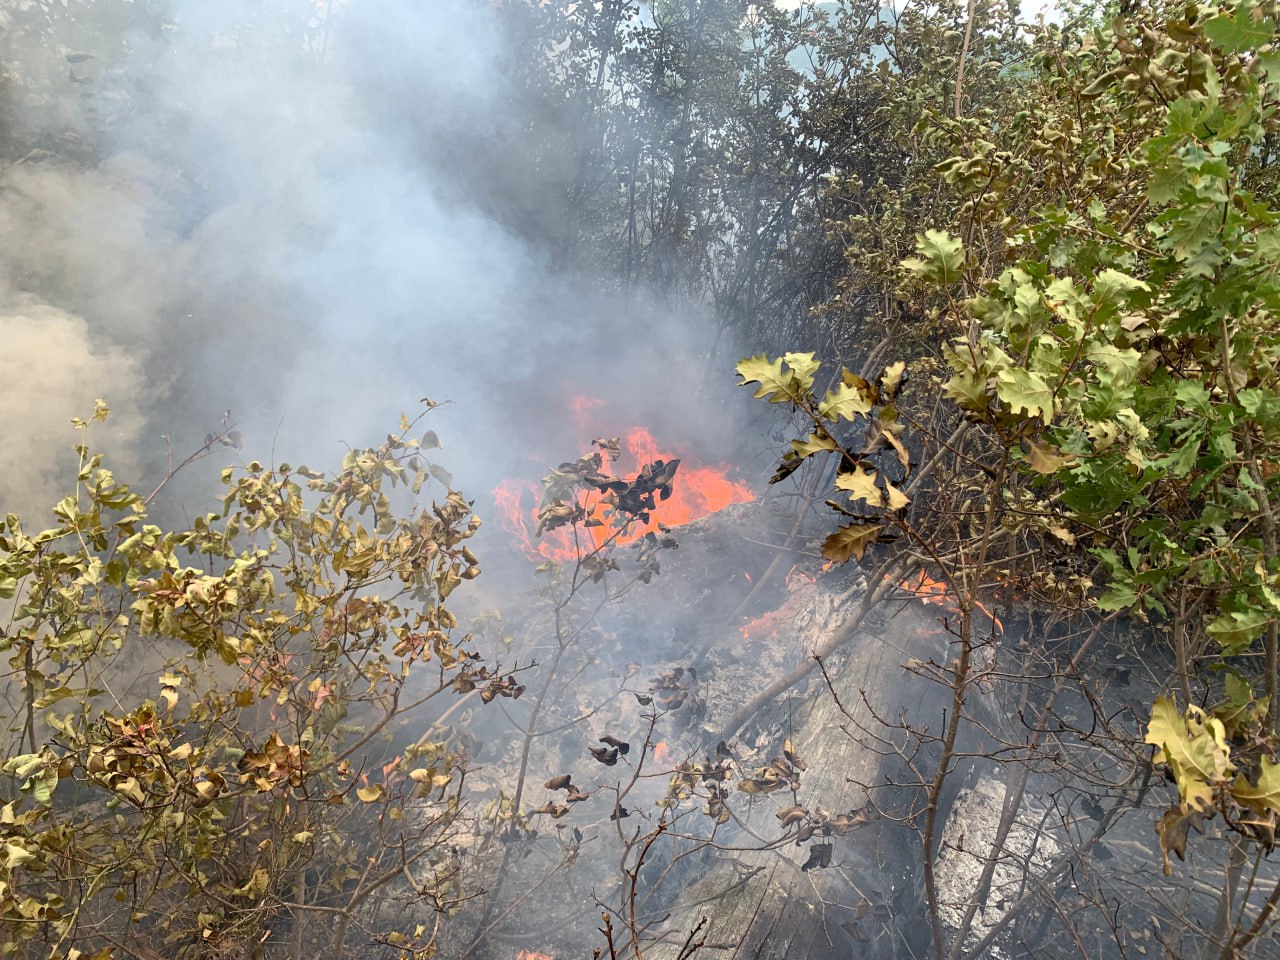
(277, 639)
(1109, 280)
(1128, 356)
(790, 379)
(1148, 364)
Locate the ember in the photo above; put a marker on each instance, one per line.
(768, 626)
(699, 490)
(796, 575)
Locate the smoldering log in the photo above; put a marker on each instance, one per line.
(766, 904)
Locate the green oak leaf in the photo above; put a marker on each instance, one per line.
(940, 260)
(1235, 630)
(1236, 34)
(1025, 391)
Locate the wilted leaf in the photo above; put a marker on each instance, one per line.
(606, 755)
(895, 498)
(855, 931)
(819, 857)
(256, 886)
(850, 541)
(371, 794)
(790, 815)
(793, 758)
(1172, 830)
(1261, 797)
(1063, 534)
(842, 823)
(860, 484)
(1044, 458)
(441, 474)
(16, 856)
(1195, 748)
(904, 458)
(894, 376)
(758, 785)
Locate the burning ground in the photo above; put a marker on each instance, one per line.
(625, 777)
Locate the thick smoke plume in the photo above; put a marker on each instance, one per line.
(292, 211)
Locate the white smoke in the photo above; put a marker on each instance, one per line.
(50, 371)
(295, 222)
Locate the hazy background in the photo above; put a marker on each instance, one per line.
(303, 224)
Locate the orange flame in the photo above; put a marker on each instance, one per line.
(767, 626)
(938, 594)
(698, 491)
(795, 574)
(530, 955)
(661, 753)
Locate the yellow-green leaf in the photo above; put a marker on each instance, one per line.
(845, 401)
(1262, 796)
(860, 484)
(776, 384)
(1023, 390)
(1045, 458)
(371, 794)
(1194, 746)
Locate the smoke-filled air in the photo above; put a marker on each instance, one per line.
(392, 564)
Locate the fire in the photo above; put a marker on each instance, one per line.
(662, 754)
(931, 591)
(531, 955)
(796, 575)
(768, 626)
(698, 490)
(938, 594)
(580, 409)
